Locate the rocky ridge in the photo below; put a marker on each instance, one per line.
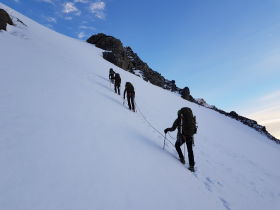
(127, 59)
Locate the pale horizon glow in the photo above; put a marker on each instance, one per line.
(266, 112)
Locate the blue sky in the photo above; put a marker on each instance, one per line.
(227, 52)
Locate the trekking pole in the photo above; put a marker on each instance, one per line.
(184, 149)
(164, 142)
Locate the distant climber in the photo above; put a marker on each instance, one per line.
(130, 93)
(186, 126)
(117, 83)
(111, 75)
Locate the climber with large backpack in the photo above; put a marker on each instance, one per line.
(130, 93)
(111, 75)
(186, 127)
(117, 83)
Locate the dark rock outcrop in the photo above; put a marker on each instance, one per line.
(185, 93)
(4, 19)
(119, 59)
(106, 42)
(115, 51)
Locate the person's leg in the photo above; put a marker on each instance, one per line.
(190, 151)
(115, 89)
(119, 92)
(128, 101)
(132, 102)
(178, 148)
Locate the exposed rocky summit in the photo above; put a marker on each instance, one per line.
(186, 94)
(4, 19)
(125, 58)
(115, 52)
(106, 42)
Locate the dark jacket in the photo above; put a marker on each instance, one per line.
(117, 79)
(129, 90)
(175, 125)
(178, 124)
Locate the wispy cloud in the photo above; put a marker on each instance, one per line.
(69, 7)
(270, 118)
(81, 1)
(266, 111)
(87, 27)
(97, 8)
(81, 35)
(51, 19)
(49, 26)
(270, 97)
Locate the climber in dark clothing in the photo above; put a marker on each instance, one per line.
(183, 137)
(117, 83)
(111, 75)
(129, 90)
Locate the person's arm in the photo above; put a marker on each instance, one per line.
(174, 126)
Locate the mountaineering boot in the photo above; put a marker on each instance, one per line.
(182, 160)
(191, 168)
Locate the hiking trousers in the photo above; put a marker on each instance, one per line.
(130, 101)
(117, 89)
(189, 142)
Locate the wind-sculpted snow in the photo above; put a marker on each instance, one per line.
(67, 142)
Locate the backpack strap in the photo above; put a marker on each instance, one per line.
(181, 124)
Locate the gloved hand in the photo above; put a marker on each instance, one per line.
(166, 130)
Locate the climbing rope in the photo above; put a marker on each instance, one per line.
(150, 124)
(172, 137)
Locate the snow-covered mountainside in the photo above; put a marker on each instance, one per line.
(67, 142)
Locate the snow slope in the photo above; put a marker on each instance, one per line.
(67, 141)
